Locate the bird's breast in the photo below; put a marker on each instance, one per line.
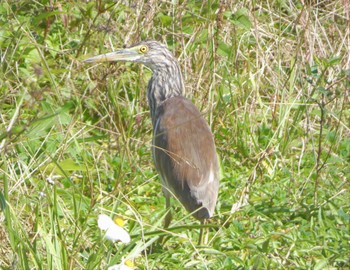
(184, 153)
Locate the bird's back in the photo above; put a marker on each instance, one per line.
(185, 156)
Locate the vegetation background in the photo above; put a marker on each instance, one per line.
(272, 79)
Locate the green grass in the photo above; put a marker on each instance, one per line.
(271, 77)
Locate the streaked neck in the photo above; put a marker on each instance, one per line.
(165, 83)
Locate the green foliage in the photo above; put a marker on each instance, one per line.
(272, 78)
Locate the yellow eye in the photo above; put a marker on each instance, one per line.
(143, 49)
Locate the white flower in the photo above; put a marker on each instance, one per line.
(113, 231)
(121, 266)
(51, 179)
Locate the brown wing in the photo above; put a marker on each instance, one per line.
(185, 156)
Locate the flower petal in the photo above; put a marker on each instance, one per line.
(104, 222)
(113, 231)
(120, 267)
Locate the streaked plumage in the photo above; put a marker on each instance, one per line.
(183, 146)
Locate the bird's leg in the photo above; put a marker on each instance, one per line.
(201, 233)
(202, 241)
(168, 216)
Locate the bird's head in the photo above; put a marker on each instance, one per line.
(150, 53)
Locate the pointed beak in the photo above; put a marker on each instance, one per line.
(121, 55)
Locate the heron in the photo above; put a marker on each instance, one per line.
(183, 147)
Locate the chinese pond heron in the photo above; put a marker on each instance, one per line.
(183, 147)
